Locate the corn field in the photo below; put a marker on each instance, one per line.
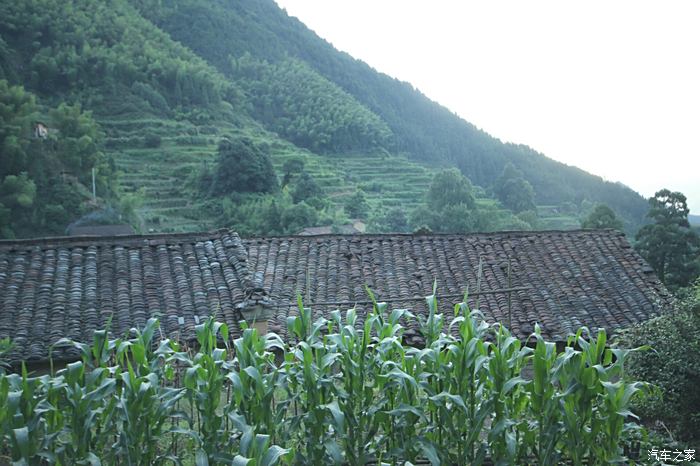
(342, 391)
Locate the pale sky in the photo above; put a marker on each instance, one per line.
(612, 87)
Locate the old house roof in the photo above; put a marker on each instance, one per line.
(561, 279)
(68, 287)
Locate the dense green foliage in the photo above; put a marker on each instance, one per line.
(272, 214)
(262, 208)
(243, 167)
(107, 54)
(394, 220)
(356, 206)
(602, 216)
(450, 207)
(673, 366)
(449, 188)
(307, 109)
(668, 244)
(43, 178)
(514, 191)
(306, 188)
(346, 392)
(89, 55)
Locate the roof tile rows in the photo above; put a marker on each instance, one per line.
(571, 278)
(69, 287)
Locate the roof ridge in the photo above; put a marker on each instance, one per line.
(516, 233)
(117, 240)
(178, 237)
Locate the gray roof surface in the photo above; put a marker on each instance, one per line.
(69, 287)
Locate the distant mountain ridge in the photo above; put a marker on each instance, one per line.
(186, 72)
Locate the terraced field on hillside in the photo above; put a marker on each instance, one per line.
(386, 180)
(164, 177)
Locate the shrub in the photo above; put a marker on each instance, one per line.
(673, 366)
(151, 141)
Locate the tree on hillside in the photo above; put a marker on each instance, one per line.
(513, 190)
(306, 188)
(77, 144)
(297, 217)
(393, 220)
(17, 111)
(668, 244)
(450, 205)
(17, 191)
(602, 216)
(450, 187)
(243, 167)
(290, 168)
(356, 206)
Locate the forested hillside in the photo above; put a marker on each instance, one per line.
(421, 129)
(162, 87)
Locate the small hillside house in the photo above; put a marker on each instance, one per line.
(41, 131)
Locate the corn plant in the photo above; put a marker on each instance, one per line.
(396, 408)
(466, 405)
(255, 379)
(355, 411)
(85, 392)
(24, 427)
(346, 390)
(546, 427)
(204, 383)
(593, 404)
(508, 396)
(311, 382)
(145, 406)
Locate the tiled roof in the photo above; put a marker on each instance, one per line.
(562, 279)
(68, 287)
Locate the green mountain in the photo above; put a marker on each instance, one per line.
(166, 80)
(219, 30)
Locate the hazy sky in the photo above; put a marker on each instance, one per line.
(612, 87)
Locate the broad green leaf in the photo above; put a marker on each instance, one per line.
(200, 458)
(239, 460)
(430, 452)
(272, 455)
(22, 438)
(337, 414)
